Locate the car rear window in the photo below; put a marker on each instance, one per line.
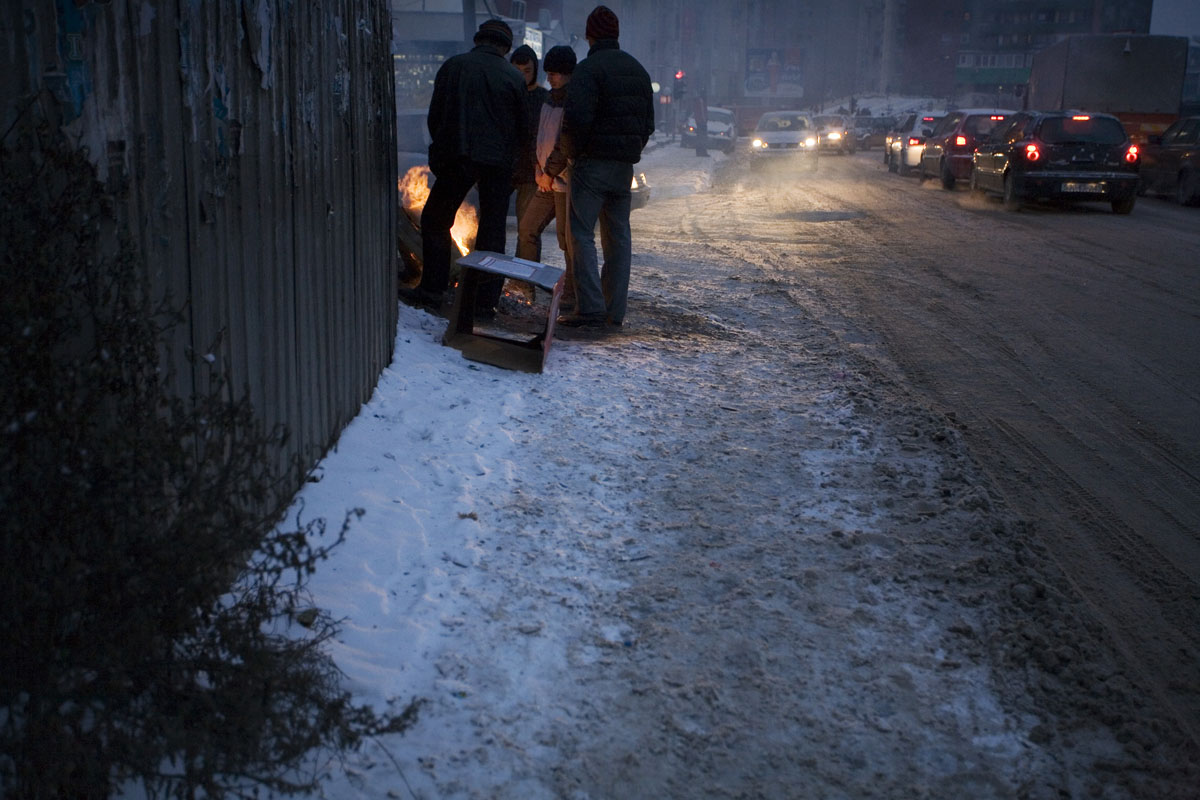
(782, 123)
(720, 116)
(980, 125)
(1081, 129)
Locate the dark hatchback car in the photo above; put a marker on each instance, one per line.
(1171, 162)
(949, 150)
(1067, 156)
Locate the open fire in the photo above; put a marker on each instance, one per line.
(414, 192)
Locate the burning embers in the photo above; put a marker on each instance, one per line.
(414, 191)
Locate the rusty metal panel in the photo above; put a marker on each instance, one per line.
(252, 145)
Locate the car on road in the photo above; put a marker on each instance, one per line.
(722, 130)
(1066, 156)
(872, 131)
(836, 133)
(784, 138)
(639, 191)
(949, 150)
(903, 149)
(1171, 162)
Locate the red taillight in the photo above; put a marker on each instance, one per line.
(1032, 153)
(913, 141)
(1131, 155)
(997, 117)
(1081, 117)
(960, 141)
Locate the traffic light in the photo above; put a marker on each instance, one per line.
(680, 87)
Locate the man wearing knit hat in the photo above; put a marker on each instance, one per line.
(526, 61)
(551, 173)
(477, 121)
(607, 120)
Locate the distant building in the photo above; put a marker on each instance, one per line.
(929, 34)
(997, 38)
(427, 32)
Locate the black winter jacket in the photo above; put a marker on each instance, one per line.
(610, 106)
(477, 111)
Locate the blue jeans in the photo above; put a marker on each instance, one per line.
(600, 191)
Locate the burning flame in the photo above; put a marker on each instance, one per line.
(414, 192)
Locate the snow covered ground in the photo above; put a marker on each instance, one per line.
(690, 559)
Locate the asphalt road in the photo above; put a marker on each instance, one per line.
(1061, 341)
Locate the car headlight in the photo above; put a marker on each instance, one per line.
(810, 142)
(757, 143)
(834, 135)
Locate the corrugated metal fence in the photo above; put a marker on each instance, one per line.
(256, 139)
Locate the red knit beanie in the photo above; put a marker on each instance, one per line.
(602, 23)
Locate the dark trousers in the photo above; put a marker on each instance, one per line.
(541, 210)
(449, 189)
(525, 193)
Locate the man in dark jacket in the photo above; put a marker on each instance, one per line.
(476, 123)
(524, 182)
(607, 120)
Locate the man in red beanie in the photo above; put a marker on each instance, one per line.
(607, 120)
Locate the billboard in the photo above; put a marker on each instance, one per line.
(774, 72)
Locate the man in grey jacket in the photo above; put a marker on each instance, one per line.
(607, 120)
(477, 121)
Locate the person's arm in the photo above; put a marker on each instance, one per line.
(579, 114)
(648, 131)
(557, 161)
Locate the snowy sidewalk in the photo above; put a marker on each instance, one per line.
(692, 559)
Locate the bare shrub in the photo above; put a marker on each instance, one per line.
(148, 588)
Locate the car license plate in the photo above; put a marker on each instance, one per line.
(1070, 187)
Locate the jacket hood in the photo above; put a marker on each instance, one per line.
(525, 54)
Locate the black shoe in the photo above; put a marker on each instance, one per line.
(576, 320)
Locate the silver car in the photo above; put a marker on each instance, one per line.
(906, 142)
(837, 133)
(722, 132)
(785, 138)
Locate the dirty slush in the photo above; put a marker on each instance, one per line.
(730, 557)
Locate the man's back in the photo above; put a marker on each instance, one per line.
(478, 109)
(610, 106)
